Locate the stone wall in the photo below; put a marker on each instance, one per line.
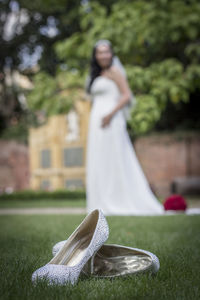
(164, 157)
(14, 166)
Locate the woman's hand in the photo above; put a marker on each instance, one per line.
(106, 120)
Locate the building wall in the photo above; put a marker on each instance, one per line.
(163, 157)
(14, 166)
(61, 142)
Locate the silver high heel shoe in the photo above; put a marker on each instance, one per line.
(116, 260)
(75, 252)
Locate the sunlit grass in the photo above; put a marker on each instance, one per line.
(42, 203)
(26, 243)
(192, 201)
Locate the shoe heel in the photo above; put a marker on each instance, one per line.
(92, 262)
(88, 269)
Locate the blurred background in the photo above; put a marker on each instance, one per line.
(45, 50)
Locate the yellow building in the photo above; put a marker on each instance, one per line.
(58, 150)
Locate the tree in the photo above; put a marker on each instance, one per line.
(29, 30)
(158, 41)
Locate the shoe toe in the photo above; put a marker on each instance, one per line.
(55, 274)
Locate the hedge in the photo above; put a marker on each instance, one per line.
(40, 194)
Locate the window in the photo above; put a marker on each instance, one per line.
(45, 184)
(73, 184)
(73, 157)
(45, 158)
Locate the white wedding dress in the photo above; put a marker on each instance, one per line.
(115, 182)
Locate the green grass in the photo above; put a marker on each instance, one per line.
(26, 243)
(192, 201)
(42, 203)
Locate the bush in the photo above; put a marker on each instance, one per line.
(32, 195)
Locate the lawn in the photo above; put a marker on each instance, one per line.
(42, 203)
(26, 243)
(192, 201)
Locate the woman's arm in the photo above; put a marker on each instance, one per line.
(115, 74)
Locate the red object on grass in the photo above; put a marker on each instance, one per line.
(175, 202)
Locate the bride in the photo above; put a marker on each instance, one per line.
(115, 182)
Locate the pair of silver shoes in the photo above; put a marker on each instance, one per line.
(84, 252)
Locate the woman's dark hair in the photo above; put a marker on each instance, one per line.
(95, 68)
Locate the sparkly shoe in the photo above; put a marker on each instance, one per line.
(115, 260)
(75, 252)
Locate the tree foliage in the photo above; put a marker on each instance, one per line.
(158, 42)
(23, 28)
